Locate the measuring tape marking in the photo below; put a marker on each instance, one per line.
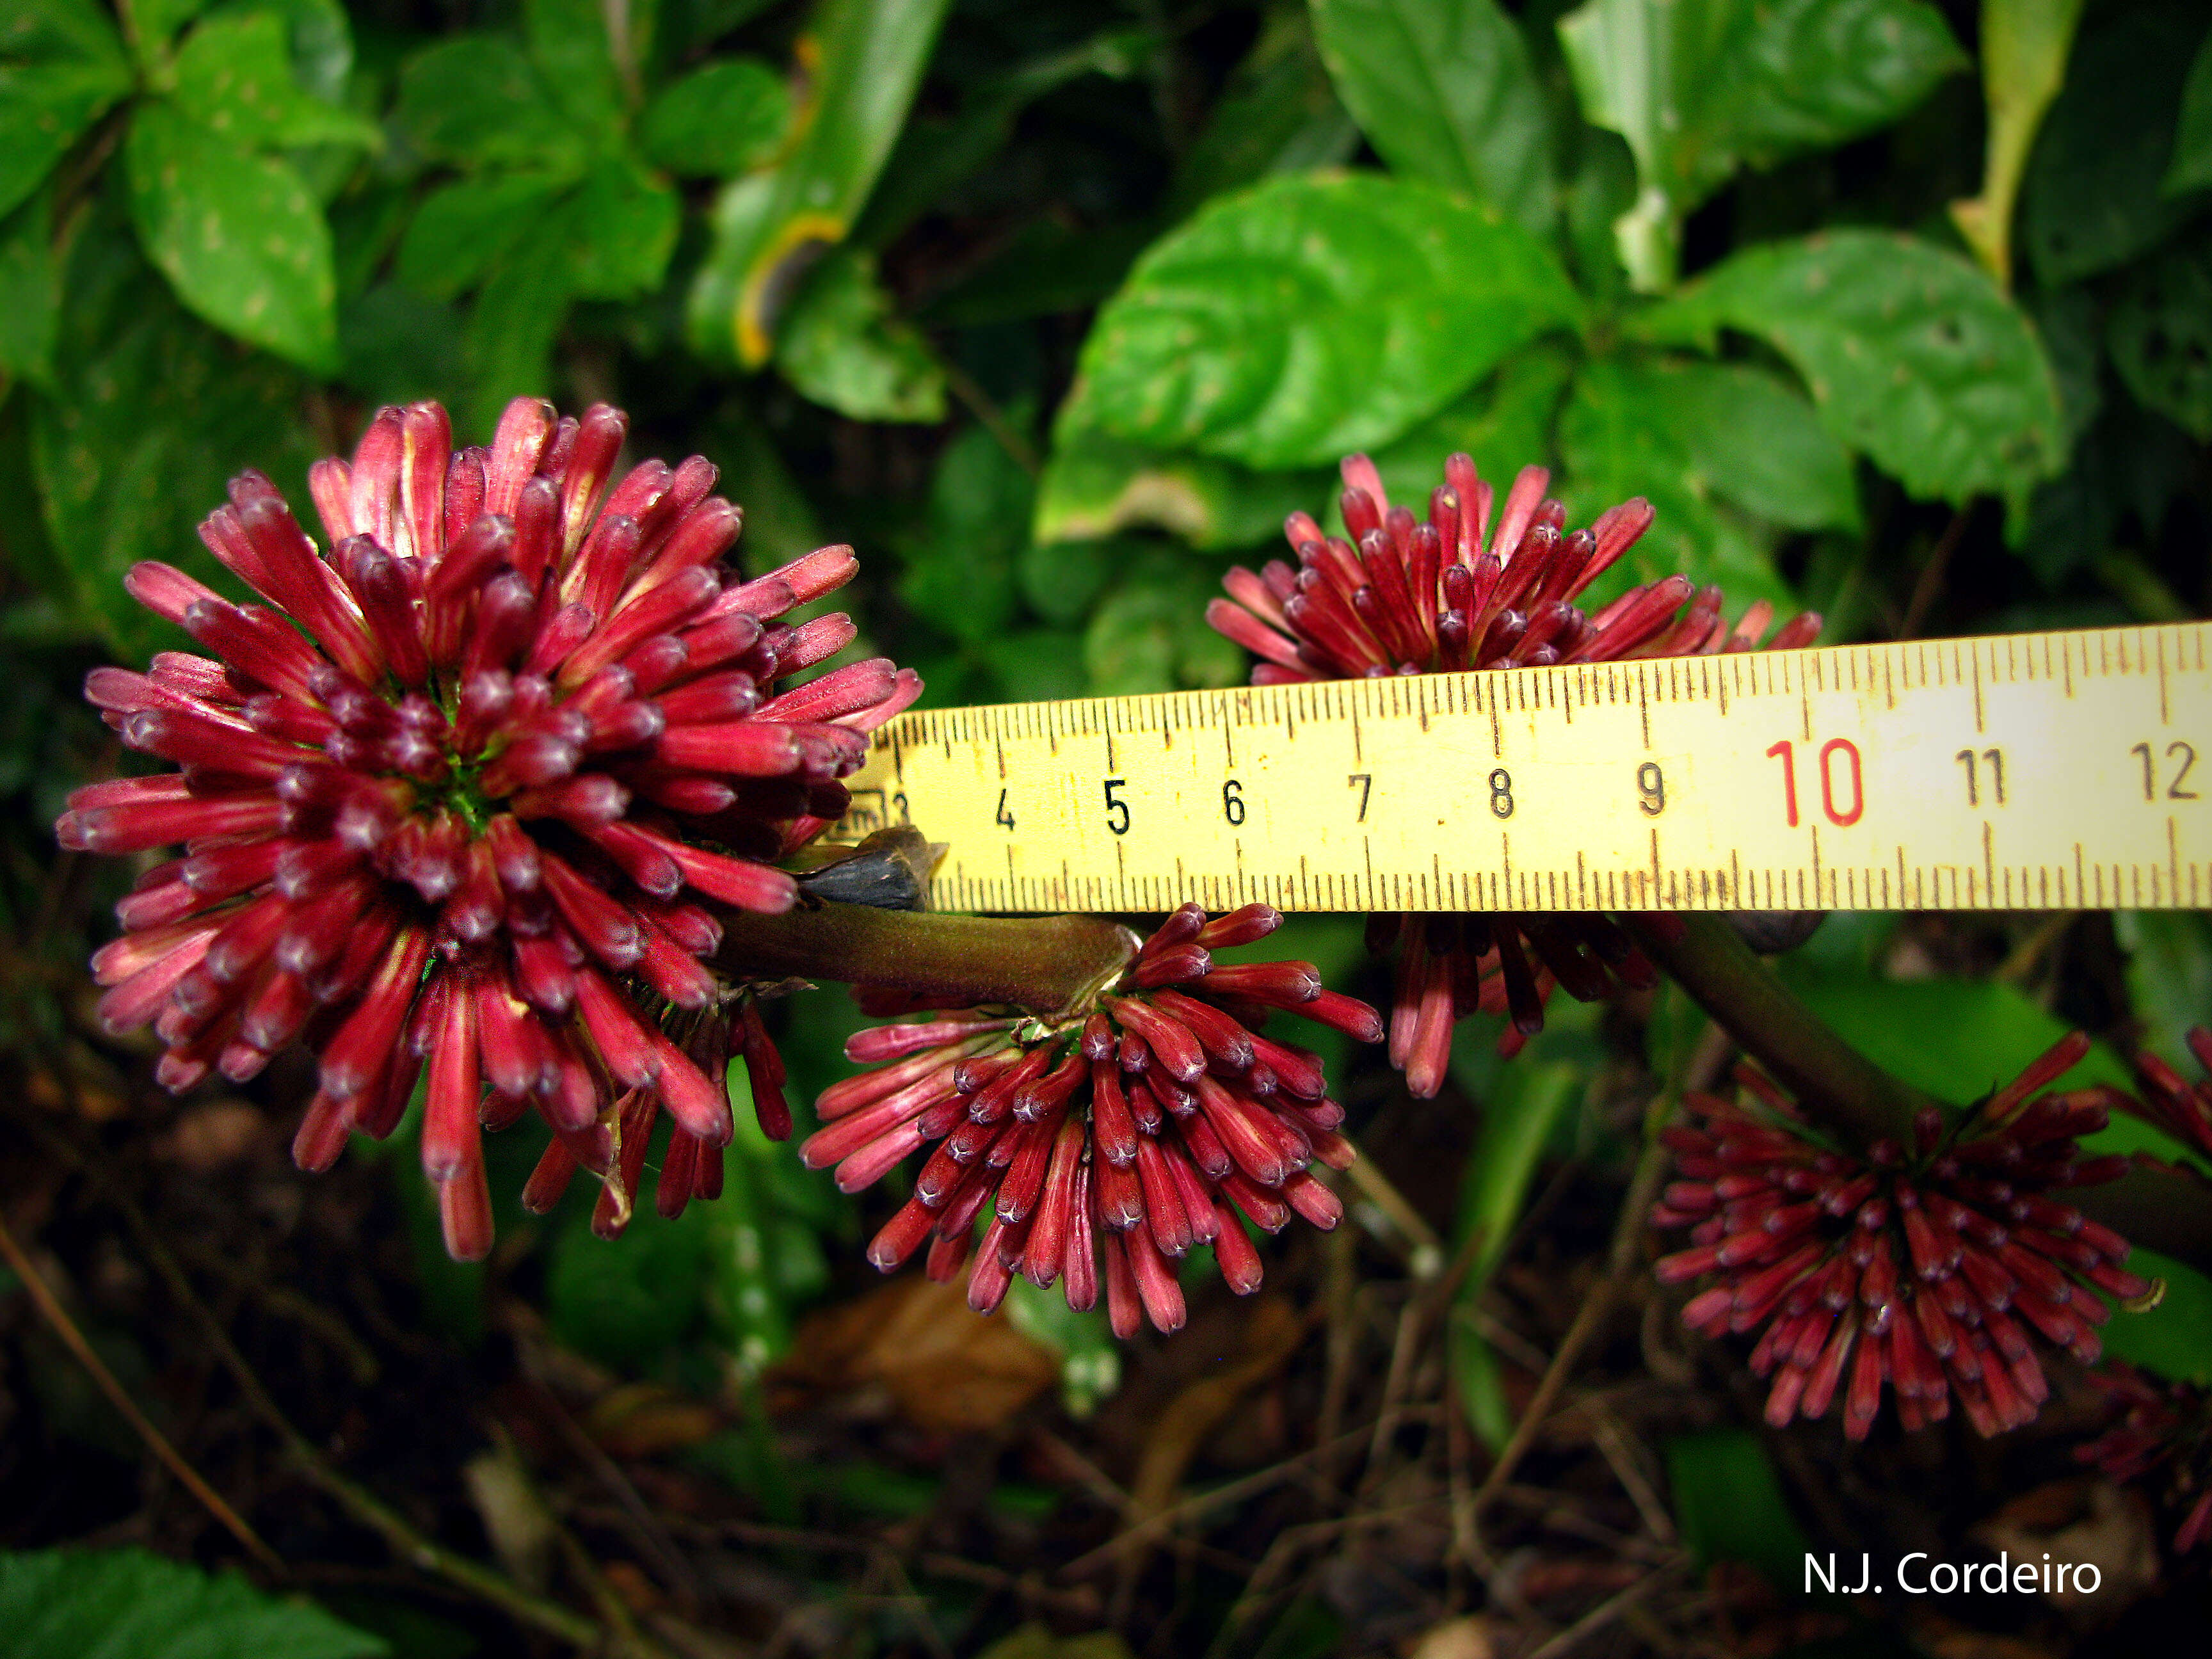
(1969, 774)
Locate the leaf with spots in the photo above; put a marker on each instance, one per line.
(60, 67)
(1310, 315)
(240, 236)
(475, 98)
(150, 412)
(1912, 355)
(235, 76)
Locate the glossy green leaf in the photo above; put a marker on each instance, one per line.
(589, 68)
(2024, 47)
(151, 412)
(2160, 333)
(1095, 485)
(30, 291)
(1309, 316)
(766, 240)
(1504, 424)
(1619, 438)
(2092, 199)
(1912, 355)
(1444, 89)
(960, 575)
(85, 1604)
(1699, 88)
(1728, 1502)
(717, 120)
(237, 234)
(61, 66)
(622, 228)
(2192, 166)
(476, 99)
(464, 229)
(235, 76)
(842, 345)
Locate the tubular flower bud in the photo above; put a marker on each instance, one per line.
(446, 806)
(1154, 1118)
(1936, 1270)
(1462, 590)
(2161, 1425)
(2182, 1108)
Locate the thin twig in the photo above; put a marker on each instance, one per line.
(1604, 1613)
(1930, 582)
(50, 1305)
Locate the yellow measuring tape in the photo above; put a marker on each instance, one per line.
(2031, 771)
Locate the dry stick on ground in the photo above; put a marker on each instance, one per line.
(424, 1553)
(49, 1305)
(1605, 1612)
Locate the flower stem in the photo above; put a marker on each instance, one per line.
(1040, 962)
(2161, 1208)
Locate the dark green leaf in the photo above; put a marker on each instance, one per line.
(1504, 424)
(2092, 197)
(1308, 316)
(2174, 1339)
(2169, 977)
(475, 98)
(1699, 88)
(60, 66)
(1046, 267)
(1149, 633)
(237, 234)
(624, 1301)
(1618, 437)
(151, 413)
(585, 64)
(1278, 114)
(1059, 579)
(1444, 89)
(1911, 354)
(1032, 665)
(518, 315)
(622, 230)
(83, 1604)
(842, 346)
(2192, 167)
(464, 229)
(235, 76)
(1729, 1506)
(961, 576)
(30, 291)
(1094, 485)
(873, 52)
(400, 347)
(2024, 47)
(2160, 333)
(1090, 1357)
(721, 120)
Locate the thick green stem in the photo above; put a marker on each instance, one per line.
(2165, 1210)
(1042, 963)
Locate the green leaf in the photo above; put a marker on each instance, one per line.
(2174, 1339)
(476, 99)
(1728, 1504)
(2160, 333)
(77, 1604)
(519, 313)
(623, 229)
(1911, 354)
(1094, 485)
(842, 345)
(2169, 977)
(1090, 1357)
(961, 574)
(1312, 315)
(30, 291)
(1619, 438)
(2093, 198)
(1149, 633)
(318, 35)
(465, 229)
(871, 53)
(1278, 114)
(1504, 424)
(571, 44)
(238, 235)
(1699, 88)
(625, 1301)
(724, 119)
(151, 412)
(235, 76)
(2024, 44)
(400, 347)
(1444, 89)
(2192, 167)
(61, 66)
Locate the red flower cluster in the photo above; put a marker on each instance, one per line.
(1145, 1123)
(1932, 1271)
(2182, 1108)
(1407, 597)
(451, 796)
(2167, 1424)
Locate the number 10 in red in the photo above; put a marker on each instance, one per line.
(1839, 760)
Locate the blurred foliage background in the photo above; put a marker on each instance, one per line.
(1899, 311)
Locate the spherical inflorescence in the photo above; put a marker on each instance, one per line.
(1934, 1270)
(1137, 1126)
(456, 795)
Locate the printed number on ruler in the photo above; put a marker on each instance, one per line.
(2022, 771)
